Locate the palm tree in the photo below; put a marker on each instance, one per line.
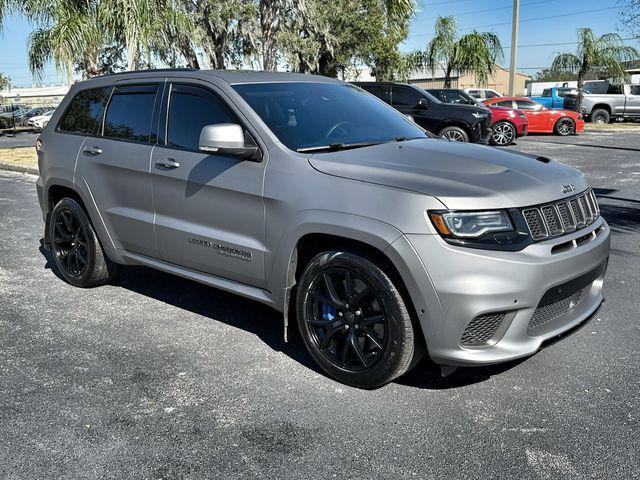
(69, 33)
(475, 52)
(601, 56)
(5, 82)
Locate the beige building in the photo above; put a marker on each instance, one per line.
(499, 81)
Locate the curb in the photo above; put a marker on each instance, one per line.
(19, 168)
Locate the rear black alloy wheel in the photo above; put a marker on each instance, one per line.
(503, 134)
(76, 249)
(565, 126)
(69, 243)
(353, 320)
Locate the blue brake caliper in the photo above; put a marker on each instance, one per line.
(328, 312)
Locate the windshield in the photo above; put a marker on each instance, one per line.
(309, 115)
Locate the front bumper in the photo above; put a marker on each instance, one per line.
(454, 285)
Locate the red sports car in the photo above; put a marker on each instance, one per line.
(507, 124)
(541, 119)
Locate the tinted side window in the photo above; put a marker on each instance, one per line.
(84, 114)
(380, 91)
(475, 93)
(634, 89)
(405, 97)
(455, 97)
(614, 90)
(546, 92)
(490, 94)
(525, 105)
(130, 112)
(505, 103)
(192, 108)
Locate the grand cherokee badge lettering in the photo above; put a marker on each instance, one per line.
(569, 188)
(223, 249)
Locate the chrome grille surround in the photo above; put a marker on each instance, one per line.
(559, 218)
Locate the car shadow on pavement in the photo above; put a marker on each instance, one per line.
(622, 214)
(264, 322)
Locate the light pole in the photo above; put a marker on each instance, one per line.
(514, 46)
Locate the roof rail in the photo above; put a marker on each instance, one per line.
(151, 70)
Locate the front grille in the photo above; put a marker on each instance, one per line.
(481, 329)
(551, 311)
(560, 218)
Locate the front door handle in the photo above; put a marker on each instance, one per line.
(167, 162)
(92, 150)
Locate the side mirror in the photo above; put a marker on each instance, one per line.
(422, 104)
(228, 139)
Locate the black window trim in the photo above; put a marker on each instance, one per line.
(80, 134)
(167, 107)
(159, 90)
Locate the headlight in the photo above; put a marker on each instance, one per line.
(480, 115)
(469, 225)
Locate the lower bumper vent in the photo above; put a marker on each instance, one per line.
(482, 329)
(547, 313)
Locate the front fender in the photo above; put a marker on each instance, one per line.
(353, 227)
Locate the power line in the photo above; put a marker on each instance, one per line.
(490, 10)
(524, 20)
(561, 43)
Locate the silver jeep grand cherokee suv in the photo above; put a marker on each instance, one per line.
(315, 197)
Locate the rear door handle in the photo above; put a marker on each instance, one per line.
(167, 162)
(92, 150)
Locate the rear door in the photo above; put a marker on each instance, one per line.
(115, 166)
(633, 100)
(209, 208)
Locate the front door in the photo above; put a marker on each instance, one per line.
(209, 208)
(536, 116)
(407, 101)
(632, 106)
(115, 166)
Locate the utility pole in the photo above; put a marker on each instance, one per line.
(514, 47)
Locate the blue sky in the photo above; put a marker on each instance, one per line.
(494, 15)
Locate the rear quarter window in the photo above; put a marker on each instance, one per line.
(84, 114)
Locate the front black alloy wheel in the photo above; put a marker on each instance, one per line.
(346, 319)
(353, 320)
(75, 246)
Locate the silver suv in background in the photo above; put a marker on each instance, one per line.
(316, 198)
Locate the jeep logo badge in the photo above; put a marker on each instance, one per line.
(568, 188)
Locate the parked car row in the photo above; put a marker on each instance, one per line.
(457, 115)
(23, 115)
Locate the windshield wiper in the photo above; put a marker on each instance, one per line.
(334, 147)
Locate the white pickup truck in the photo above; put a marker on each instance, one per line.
(606, 101)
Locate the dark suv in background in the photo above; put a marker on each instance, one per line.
(459, 123)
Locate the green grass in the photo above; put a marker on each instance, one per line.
(19, 156)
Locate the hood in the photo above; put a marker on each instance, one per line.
(462, 176)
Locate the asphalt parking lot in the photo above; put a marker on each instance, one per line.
(158, 377)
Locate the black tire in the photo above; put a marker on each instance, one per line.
(454, 134)
(564, 126)
(76, 249)
(377, 350)
(600, 116)
(503, 133)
